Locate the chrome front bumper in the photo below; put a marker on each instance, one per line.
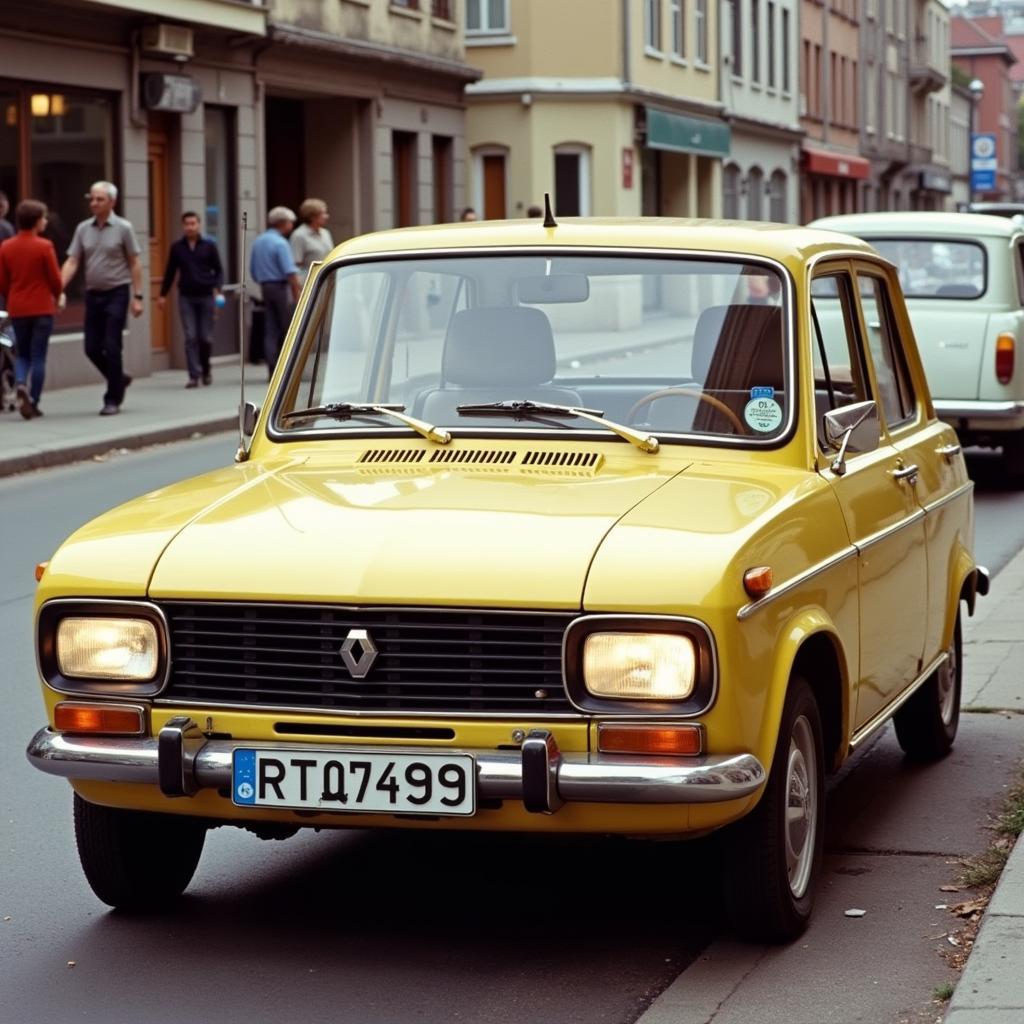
(182, 761)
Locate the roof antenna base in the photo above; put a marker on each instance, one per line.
(549, 217)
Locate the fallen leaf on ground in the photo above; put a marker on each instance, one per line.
(968, 908)
(949, 888)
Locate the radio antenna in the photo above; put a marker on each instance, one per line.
(549, 217)
(243, 453)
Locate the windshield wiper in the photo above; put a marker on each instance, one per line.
(523, 409)
(346, 410)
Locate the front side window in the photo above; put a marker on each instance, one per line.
(840, 374)
(895, 390)
(936, 268)
(678, 346)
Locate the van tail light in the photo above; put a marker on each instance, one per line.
(1005, 351)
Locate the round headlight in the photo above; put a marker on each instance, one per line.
(123, 650)
(639, 666)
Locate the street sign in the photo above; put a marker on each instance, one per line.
(983, 162)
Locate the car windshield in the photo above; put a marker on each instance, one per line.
(936, 268)
(664, 345)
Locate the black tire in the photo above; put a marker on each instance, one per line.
(133, 860)
(769, 899)
(926, 725)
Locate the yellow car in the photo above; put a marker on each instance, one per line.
(603, 526)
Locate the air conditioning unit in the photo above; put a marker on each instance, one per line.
(164, 40)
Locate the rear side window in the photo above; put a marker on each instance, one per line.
(895, 391)
(937, 268)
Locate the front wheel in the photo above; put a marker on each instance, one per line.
(774, 854)
(926, 725)
(133, 860)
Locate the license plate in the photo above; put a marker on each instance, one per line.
(350, 780)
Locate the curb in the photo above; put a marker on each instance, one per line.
(62, 454)
(990, 990)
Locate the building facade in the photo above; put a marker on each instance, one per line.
(982, 55)
(611, 115)
(225, 109)
(830, 107)
(760, 92)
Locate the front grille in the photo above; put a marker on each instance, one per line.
(428, 661)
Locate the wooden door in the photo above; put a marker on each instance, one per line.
(159, 231)
(494, 187)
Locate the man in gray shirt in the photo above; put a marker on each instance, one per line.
(107, 245)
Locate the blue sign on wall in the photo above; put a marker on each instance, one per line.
(983, 161)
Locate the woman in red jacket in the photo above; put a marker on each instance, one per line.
(30, 281)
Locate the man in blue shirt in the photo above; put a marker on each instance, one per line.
(273, 268)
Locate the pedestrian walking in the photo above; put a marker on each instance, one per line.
(6, 227)
(311, 241)
(30, 283)
(273, 268)
(195, 261)
(106, 244)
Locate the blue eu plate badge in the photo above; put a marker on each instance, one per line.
(245, 777)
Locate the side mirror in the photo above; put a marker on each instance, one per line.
(250, 414)
(853, 427)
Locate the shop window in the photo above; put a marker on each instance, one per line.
(755, 194)
(54, 144)
(572, 181)
(403, 177)
(778, 211)
(219, 129)
(731, 192)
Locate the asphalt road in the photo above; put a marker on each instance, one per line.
(399, 927)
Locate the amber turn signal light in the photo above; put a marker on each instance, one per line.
(674, 740)
(758, 581)
(1005, 352)
(69, 716)
(40, 569)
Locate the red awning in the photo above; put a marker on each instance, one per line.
(839, 165)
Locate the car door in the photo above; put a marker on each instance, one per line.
(932, 467)
(883, 517)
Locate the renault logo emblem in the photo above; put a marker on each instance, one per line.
(358, 652)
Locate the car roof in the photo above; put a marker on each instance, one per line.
(782, 242)
(915, 222)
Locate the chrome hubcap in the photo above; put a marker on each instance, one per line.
(947, 686)
(801, 807)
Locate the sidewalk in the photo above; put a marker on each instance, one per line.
(991, 989)
(156, 409)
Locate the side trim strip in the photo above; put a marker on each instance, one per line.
(889, 710)
(783, 588)
(876, 538)
(963, 489)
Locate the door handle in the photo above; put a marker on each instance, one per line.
(908, 473)
(950, 451)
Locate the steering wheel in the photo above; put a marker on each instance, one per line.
(701, 396)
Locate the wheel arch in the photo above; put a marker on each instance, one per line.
(812, 648)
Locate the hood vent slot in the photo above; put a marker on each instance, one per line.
(392, 455)
(567, 460)
(473, 457)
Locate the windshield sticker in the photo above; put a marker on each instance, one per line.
(762, 392)
(763, 414)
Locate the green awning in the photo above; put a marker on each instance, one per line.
(680, 133)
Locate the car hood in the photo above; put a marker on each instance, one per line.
(467, 535)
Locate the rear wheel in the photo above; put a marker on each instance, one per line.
(133, 860)
(926, 725)
(774, 854)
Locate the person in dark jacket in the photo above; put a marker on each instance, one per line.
(196, 262)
